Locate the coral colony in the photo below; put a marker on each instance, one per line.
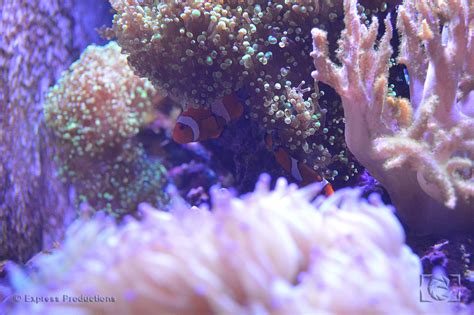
(118, 194)
(94, 110)
(420, 149)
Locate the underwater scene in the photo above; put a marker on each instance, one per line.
(236, 157)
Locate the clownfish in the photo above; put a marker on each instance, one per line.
(300, 171)
(200, 124)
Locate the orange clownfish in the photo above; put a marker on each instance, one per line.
(201, 124)
(300, 171)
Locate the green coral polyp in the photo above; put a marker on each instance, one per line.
(123, 182)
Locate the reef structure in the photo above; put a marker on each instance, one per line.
(420, 150)
(270, 252)
(95, 110)
(38, 39)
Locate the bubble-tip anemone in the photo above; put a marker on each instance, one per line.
(269, 252)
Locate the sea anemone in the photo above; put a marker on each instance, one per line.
(269, 252)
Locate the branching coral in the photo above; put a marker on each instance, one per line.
(95, 110)
(199, 51)
(439, 142)
(422, 150)
(271, 252)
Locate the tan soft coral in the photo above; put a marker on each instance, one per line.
(422, 152)
(443, 158)
(438, 144)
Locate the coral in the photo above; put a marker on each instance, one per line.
(199, 51)
(99, 103)
(269, 252)
(36, 41)
(440, 141)
(117, 185)
(420, 150)
(95, 110)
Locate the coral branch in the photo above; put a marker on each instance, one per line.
(361, 80)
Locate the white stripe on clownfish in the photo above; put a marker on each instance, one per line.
(218, 108)
(191, 123)
(325, 181)
(295, 171)
(205, 123)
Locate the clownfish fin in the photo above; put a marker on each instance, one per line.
(229, 108)
(210, 128)
(309, 176)
(283, 159)
(269, 142)
(197, 113)
(234, 106)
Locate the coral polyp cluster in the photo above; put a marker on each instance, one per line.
(200, 51)
(269, 252)
(119, 183)
(94, 111)
(184, 47)
(99, 103)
